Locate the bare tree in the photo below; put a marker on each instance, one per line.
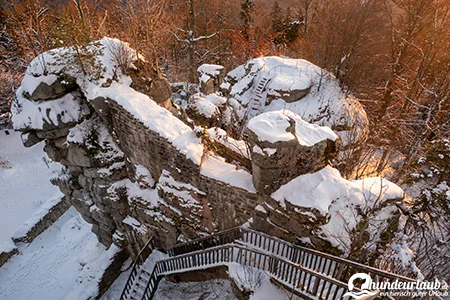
(189, 37)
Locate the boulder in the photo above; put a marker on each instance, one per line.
(79, 157)
(53, 133)
(288, 88)
(30, 139)
(150, 81)
(57, 89)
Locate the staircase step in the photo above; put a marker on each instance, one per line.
(139, 289)
(145, 275)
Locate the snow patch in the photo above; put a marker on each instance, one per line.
(24, 182)
(7, 246)
(273, 127)
(217, 168)
(34, 115)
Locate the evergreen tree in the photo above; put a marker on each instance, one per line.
(291, 28)
(277, 18)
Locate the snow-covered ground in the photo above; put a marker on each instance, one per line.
(206, 290)
(24, 182)
(64, 262)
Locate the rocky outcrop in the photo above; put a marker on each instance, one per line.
(57, 89)
(92, 159)
(299, 85)
(150, 81)
(285, 147)
(134, 170)
(211, 77)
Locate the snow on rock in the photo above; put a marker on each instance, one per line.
(65, 262)
(274, 126)
(207, 106)
(103, 79)
(339, 200)
(143, 176)
(30, 83)
(83, 134)
(147, 196)
(47, 114)
(167, 180)
(288, 82)
(185, 193)
(217, 168)
(134, 191)
(133, 223)
(7, 246)
(221, 136)
(207, 70)
(323, 103)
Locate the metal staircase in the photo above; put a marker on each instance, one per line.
(255, 103)
(307, 273)
(138, 279)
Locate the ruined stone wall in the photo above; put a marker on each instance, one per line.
(146, 147)
(227, 206)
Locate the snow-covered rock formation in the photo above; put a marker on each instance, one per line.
(274, 83)
(284, 147)
(134, 169)
(290, 160)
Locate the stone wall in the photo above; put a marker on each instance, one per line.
(45, 222)
(5, 256)
(146, 147)
(228, 206)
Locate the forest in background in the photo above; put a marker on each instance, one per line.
(392, 55)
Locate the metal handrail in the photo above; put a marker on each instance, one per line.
(300, 279)
(139, 260)
(332, 257)
(320, 270)
(239, 232)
